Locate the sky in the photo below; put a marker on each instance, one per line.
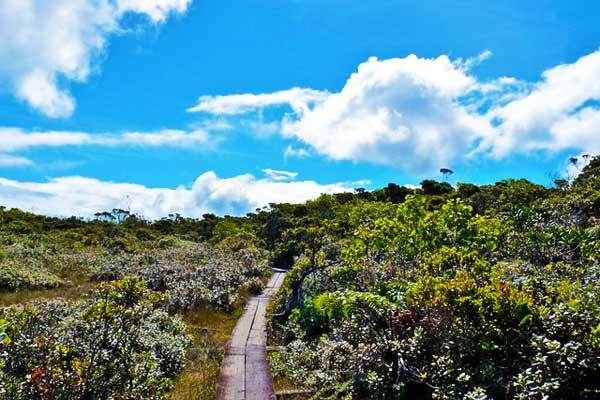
(195, 106)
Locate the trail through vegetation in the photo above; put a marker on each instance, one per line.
(245, 373)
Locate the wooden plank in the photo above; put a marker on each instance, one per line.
(232, 387)
(259, 384)
(293, 392)
(245, 373)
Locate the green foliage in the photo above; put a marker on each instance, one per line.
(116, 344)
(473, 292)
(13, 278)
(123, 341)
(486, 292)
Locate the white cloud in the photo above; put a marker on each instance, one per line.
(411, 186)
(172, 138)
(39, 89)
(157, 10)
(82, 196)
(549, 117)
(474, 61)
(15, 139)
(215, 125)
(579, 130)
(260, 128)
(419, 114)
(403, 112)
(243, 193)
(7, 160)
(293, 152)
(297, 98)
(46, 42)
(279, 175)
(574, 165)
(360, 183)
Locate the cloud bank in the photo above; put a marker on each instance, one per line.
(81, 196)
(421, 114)
(45, 44)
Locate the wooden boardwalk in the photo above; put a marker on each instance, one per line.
(245, 373)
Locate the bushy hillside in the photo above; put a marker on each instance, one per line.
(118, 309)
(487, 292)
(467, 292)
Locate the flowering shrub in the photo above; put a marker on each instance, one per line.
(15, 278)
(191, 274)
(116, 344)
(122, 341)
(25, 268)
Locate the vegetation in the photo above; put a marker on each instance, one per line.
(442, 292)
(160, 307)
(486, 292)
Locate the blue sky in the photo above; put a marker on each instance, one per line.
(99, 117)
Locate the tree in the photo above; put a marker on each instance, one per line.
(105, 216)
(590, 171)
(446, 172)
(392, 193)
(431, 187)
(309, 241)
(120, 215)
(574, 161)
(466, 190)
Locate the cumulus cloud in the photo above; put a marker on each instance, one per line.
(419, 114)
(45, 42)
(83, 196)
(402, 112)
(554, 115)
(578, 130)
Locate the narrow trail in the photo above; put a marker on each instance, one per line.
(245, 373)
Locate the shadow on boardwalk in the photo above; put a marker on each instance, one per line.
(245, 372)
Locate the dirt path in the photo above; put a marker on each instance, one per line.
(245, 373)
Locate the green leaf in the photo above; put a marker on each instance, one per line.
(525, 319)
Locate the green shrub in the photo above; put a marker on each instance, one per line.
(13, 278)
(117, 344)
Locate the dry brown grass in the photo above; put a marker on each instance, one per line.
(284, 383)
(69, 292)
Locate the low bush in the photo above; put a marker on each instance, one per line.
(14, 278)
(117, 344)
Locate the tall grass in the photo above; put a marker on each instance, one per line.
(210, 329)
